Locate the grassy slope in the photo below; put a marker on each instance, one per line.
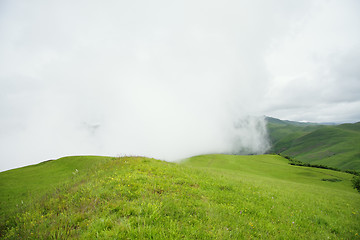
(333, 146)
(205, 197)
(283, 133)
(336, 146)
(18, 185)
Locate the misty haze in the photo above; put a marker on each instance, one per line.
(170, 80)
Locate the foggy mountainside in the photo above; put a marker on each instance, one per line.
(147, 119)
(204, 197)
(336, 145)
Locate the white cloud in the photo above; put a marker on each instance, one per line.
(315, 67)
(168, 79)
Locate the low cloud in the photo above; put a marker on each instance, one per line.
(168, 79)
(251, 136)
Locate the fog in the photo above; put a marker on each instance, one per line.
(169, 79)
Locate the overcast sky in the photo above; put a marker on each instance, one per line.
(170, 79)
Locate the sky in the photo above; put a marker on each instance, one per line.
(170, 79)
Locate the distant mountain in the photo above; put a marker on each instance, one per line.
(283, 132)
(335, 146)
(287, 122)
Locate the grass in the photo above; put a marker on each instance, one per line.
(331, 146)
(204, 197)
(20, 184)
(334, 146)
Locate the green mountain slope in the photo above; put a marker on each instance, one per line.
(335, 146)
(20, 184)
(282, 133)
(204, 197)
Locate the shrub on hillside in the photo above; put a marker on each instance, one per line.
(331, 179)
(356, 183)
(295, 162)
(354, 172)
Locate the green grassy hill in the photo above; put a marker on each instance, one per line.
(18, 185)
(282, 133)
(203, 197)
(336, 146)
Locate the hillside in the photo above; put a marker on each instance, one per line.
(20, 184)
(282, 132)
(204, 197)
(336, 146)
